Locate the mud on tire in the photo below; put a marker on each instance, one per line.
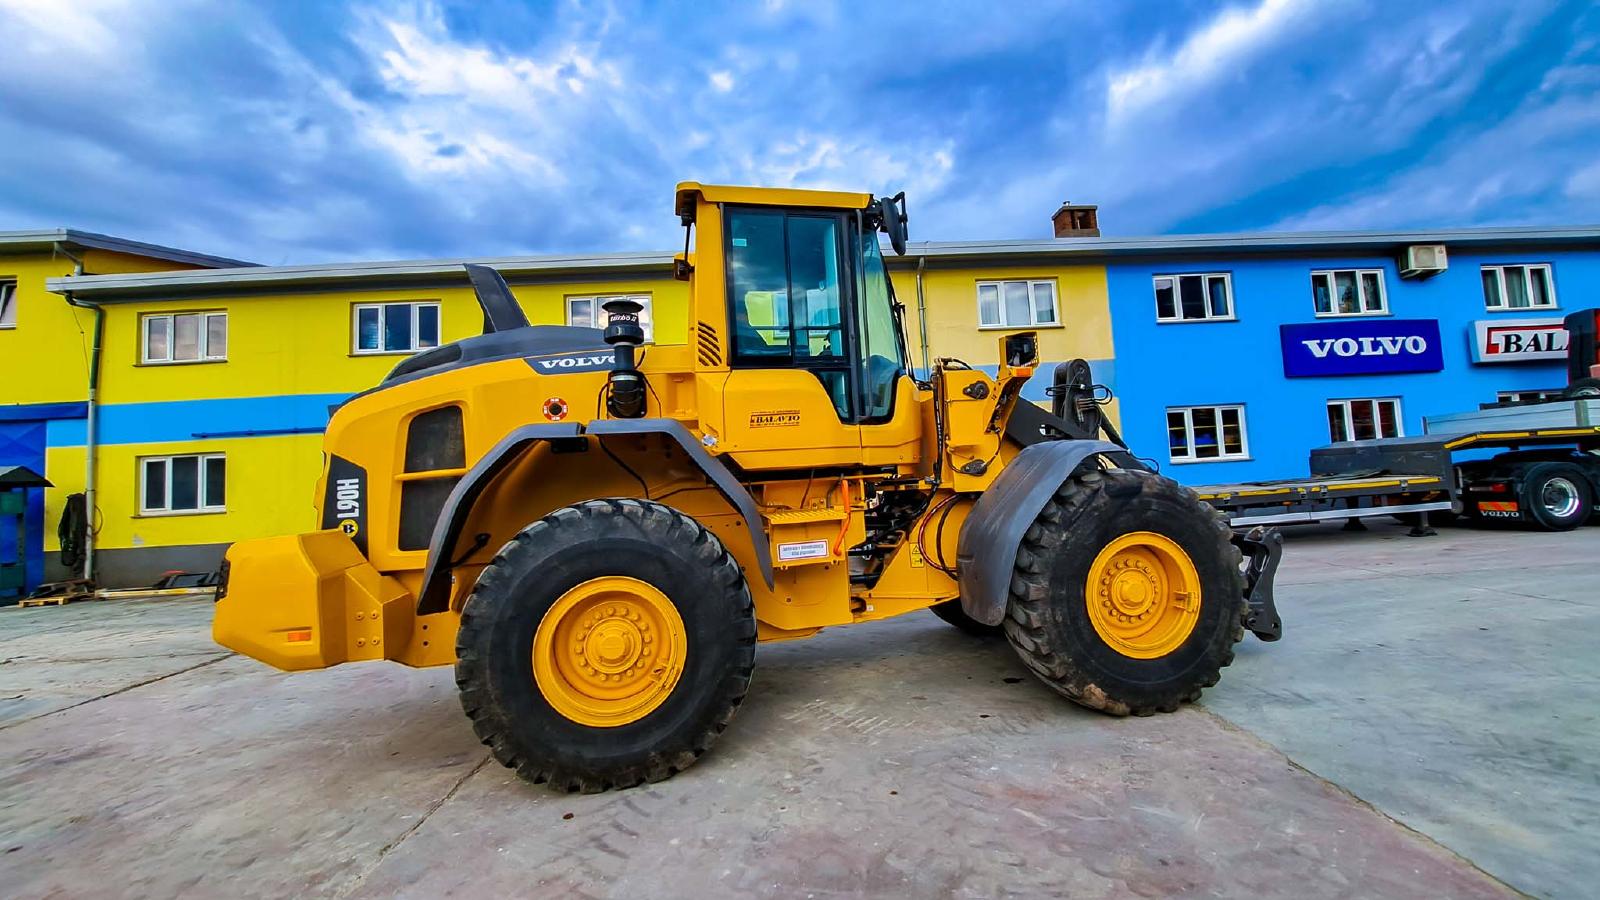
(1047, 617)
(633, 538)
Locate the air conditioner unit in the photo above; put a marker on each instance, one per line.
(1423, 261)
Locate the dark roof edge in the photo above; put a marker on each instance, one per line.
(442, 272)
(89, 240)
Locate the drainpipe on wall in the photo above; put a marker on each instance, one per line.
(90, 444)
(922, 318)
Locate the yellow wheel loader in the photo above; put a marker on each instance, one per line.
(597, 532)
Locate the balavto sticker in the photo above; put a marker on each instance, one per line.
(344, 505)
(802, 550)
(775, 418)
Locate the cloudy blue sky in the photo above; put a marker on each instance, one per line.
(308, 131)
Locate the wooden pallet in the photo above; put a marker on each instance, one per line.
(58, 600)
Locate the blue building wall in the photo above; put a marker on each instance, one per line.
(23, 430)
(1161, 364)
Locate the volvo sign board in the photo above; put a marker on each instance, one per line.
(1518, 340)
(1377, 346)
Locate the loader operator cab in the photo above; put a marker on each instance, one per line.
(808, 289)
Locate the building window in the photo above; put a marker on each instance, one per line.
(396, 327)
(1349, 292)
(1198, 433)
(192, 483)
(8, 303)
(185, 337)
(1530, 396)
(1518, 287)
(1364, 420)
(1017, 304)
(1194, 298)
(585, 312)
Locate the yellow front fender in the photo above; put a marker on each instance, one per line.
(309, 601)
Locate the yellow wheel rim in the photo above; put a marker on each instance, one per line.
(1144, 595)
(609, 651)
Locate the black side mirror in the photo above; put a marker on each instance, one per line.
(891, 211)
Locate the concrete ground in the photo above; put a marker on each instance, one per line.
(1428, 727)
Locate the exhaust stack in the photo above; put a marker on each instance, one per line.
(626, 388)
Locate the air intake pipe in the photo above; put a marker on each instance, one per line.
(626, 388)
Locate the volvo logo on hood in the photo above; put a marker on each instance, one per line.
(555, 365)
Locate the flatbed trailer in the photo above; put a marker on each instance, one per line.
(1549, 477)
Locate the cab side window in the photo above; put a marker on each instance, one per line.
(881, 360)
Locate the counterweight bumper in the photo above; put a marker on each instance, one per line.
(309, 601)
(1262, 549)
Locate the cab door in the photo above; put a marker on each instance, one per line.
(789, 401)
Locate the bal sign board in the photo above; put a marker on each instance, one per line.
(1518, 340)
(1365, 347)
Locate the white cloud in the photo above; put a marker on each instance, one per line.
(83, 27)
(1584, 184)
(721, 81)
(1220, 47)
(831, 162)
(1479, 181)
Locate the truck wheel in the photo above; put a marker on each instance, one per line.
(951, 611)
(1583, 388)
(1127, 595)
(1555, 496)
(607, 644)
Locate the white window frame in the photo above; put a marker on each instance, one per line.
(1188, 432)
(1377, 419)
(1527, 286)
(1527, 396)
(416, 306)
(202, 460)
(1033, 306)
(1205, 286)
(8, 303)
(203, 338)
(1361, 294)
(646, 315)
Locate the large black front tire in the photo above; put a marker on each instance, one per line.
(596, 539)
(1048, 620)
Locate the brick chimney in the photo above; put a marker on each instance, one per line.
(1075, 220)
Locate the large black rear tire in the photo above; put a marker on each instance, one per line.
(531, 727)
(1049, 619)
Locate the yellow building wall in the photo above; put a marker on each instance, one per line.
(303, 343)
(271, 485)
(278, 346)
(45, 358)
(951, 297)
(282, 345)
